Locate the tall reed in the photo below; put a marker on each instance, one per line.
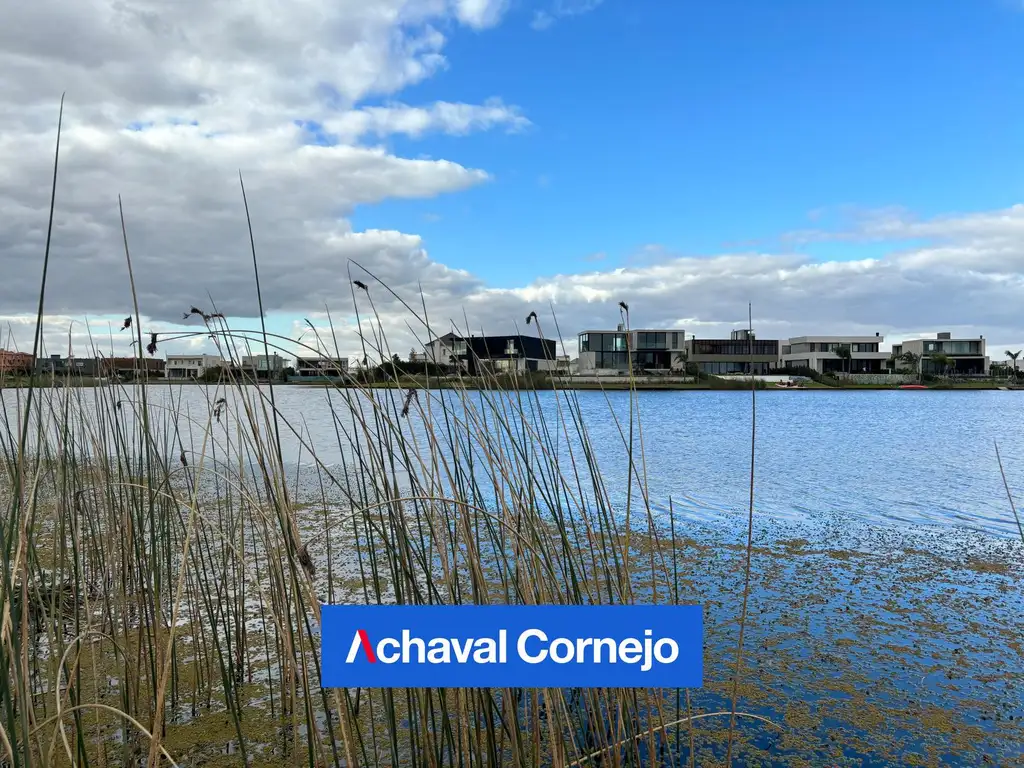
(165, 562)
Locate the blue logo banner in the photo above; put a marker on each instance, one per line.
(515, 646)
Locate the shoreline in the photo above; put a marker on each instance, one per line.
(540, 387)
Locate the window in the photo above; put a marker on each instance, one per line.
(736, 348)
(510, 348)
(650, 340)
(733, 367)
(584, 342)
(614, 360)
(460, 348)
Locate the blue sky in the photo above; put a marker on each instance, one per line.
(710, 127)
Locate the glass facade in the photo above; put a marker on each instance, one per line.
(603, 342)
(612, 349)
(651, 340)
(952, 347)
(722, 347)
(831, 346)
(734, 366)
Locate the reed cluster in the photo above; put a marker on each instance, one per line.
(165, 559)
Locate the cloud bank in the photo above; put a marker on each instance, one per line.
(168, 101)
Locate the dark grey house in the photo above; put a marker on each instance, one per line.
(68, 366)
(495, 354)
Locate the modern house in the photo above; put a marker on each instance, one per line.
(449, 349)
(191, 366)
(14, 363)
(68, 366)
(963, 356)
(496, 354)
(819, 353)
(742, 352)
(310, 369)
(130, 367)
(612, 352)
(262, 366)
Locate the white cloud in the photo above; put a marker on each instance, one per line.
(560, 9)
(168, 101)
(456, 119)
(967, 282)
(480, 13)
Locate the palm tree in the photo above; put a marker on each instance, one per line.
(913, 361)
(844, 353)
(681, 358)
(1013, 356)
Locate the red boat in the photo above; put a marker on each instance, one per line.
(913, 386)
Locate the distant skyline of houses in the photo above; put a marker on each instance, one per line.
(598, 352)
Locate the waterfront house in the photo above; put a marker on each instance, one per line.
(496, 354)
(263, 366)
(450, 349)
(68, 366)
(819, 353)
(742, 352)
(605, 352)
(130, 367)
(319, 368)
(965, 356)
(474, 354)
(15, 363)
(191, 366)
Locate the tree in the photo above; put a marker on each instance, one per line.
(1013, 356)
(943, 361)
(680, 359)
(913, 361)
(844, 353)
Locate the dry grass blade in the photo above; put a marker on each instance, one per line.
(1009, 495)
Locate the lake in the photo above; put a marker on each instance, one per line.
(901, 458)
(886, 613)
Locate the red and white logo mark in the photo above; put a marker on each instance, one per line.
(361, 639)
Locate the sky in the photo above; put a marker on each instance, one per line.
(843, 168)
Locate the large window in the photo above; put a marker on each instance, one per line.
(962, 347)
(953, 347)
(715, 347)
(650, 340)
(734, 366)
(613, 360)
(602, 342)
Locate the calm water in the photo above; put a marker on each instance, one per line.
(892, 457)
(885, 607)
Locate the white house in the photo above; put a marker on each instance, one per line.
(819, 353)
(962, 356)
(191, 366)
